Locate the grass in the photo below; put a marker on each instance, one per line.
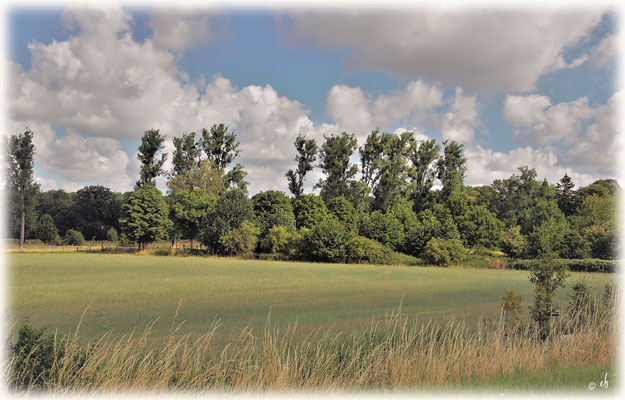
(122, 293)
(396, 354)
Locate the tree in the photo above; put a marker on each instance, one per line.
(96, 210)
(327, 240)
(384, 228)
(186, 154)
(273, 208)
(220, 146)
(392, 182)
(478, 227)
(547, 277)
(144, 216)
(343, 210)
(59, 205)
(309, 210)
(371, 158)
(240, 240)
(306, 156)
(334, 160)
(46, 231)
(151, 163)
(513, 243)
(188, 211)
(566, 195)
(451, 168)
(423, 172)
(203, 176)
(231, 209)
(20, 174)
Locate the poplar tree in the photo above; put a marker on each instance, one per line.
(306, 156)
(151, 163)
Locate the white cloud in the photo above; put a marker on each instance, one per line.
(478, 49)
(178, 29)
(537, 121)
(602, 54)
(485, 165)
(460, 121)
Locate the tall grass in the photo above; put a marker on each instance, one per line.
(396, 352)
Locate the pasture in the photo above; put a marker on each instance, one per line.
(122, 293)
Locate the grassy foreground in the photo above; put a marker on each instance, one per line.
(122, 293)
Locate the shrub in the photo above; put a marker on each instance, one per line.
(585, 265)
(580, 302)
(511, 309)
(46, 230)
(231, 210)
(364, 250)
(297, 243)
(344, 211)
(111, 235)
(327, 241)
(33, 357)
(443, 252)
(309, 209)
(162, 251)
(384, 228)
(513, 243)
(74, 238)
(273, 208)
(276, 241)
(547, 276)
(240, 240)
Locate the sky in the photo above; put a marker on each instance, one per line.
(516, 86)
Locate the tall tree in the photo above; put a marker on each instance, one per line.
(371, 158)
(151, 163)
(220, 146)
(451, 168)
(20, 173)
(566, 195)
(334, 160)
(96, 210)
(144, 216)
(306, 156)
(186, 153)
(203, 176)
(392, 182)
(423, 172)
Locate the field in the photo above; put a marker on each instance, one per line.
(122, 293)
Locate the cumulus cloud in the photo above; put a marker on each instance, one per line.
(460, 121)
(358, 112)
(178, 29)
(485, 165)
(485, 50)
(602, 54)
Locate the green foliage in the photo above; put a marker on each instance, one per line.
(188, 211)
(231, 209)
(595, 220)
(428, 227)
(151, 164)
(240, 240)
(276, 241)
(451, 168)
(334, 160)
(273, 208)
(203, 176)
(221, 147)
(34, 354)
(384, 228)
(423, 173)
(74, 238)
(583, 265)
(547, 238)
(111, 235)
(478, 227)
(513, 243)
(306, 156)
(186, 154)
(95, 209)
(309, 210)
(364, 250)
(46, 230)
(565, 195)
(444, 252)
(343, 210)
(574, 246)
(327, 240)
(547, 276)
(145, 216)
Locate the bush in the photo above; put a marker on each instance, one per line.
(46, 230)
(384, 228)
(309, 209)
(74, 238)
(327, 241)
(276, 241)
(444, 252)
(585, 265)
(344, 211)
(111, 235)
(162, 251)
(513, 243)
(240, 240)
(511, 309)
(231, 210)
(364, 250)
(33, 354)
(580, 302)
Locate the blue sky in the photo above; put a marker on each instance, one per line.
(515, 86)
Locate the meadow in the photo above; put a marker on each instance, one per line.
(122, 293)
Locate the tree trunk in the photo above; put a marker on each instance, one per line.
(22, 220)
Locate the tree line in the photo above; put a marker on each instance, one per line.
(383, 209)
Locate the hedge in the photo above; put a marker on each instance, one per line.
(581, 265)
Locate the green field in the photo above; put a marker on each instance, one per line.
(126, 292)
